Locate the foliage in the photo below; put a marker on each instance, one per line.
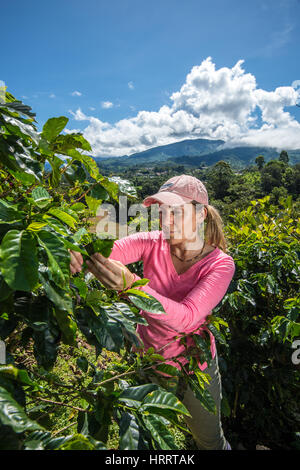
(44, 214)
(261, 383)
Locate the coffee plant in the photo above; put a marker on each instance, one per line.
(44, 213)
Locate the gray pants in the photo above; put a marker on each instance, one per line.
(205, 427)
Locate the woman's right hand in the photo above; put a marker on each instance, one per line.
(76, 261)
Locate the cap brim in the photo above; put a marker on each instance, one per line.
(166, 197)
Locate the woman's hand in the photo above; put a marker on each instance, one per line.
(109, 272)
(76, 261)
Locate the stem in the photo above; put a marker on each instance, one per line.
(88, 190)
(58, 384)
(62, 404)
(66, 167)
(132, 372)
(63, 429)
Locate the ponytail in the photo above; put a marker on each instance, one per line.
(213, 231)
(213, 228)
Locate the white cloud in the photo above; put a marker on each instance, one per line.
(212, 103)
(131, 85)
(52, 95)
(76, 93)
(92, 109)
(106, 104)
(296, 84)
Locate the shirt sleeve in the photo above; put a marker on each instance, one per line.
(129, 249)
(188, 315)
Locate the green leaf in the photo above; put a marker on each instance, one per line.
(129, 432)
(67, 326)
(53, 127)
(45, 346)
(204, 346)
(82, 363)
(151, 305)
(12, 414)
(111, 187)
(168, 369)
(204, 396)
(138, 293)
(77, 442)
(20, 375)
(63, 216)
(160, 432)
(58, 256)
(87, 161)
(36, 226)
(99, 192)
(100, 246)
(18, 260)
(133, 396)
(9, 213)
(65, 142)
(140, 282)
(81, 286)
(165, 400)
(41, 197)
(125, 187)
(74, 247)
(55, 175)
(79, 207)
(219, 337)
(19, 128)
(61, 298)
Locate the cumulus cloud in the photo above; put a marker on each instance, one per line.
(76, 93)
(296, 84)
(131, 85)
(52, 95)
(106, 104)
(212, 103)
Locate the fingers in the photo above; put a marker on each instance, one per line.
(111, 264)
(78, 256)
(75, 262)
(102, 273)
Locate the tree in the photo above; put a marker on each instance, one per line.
(220, 178)
(260, 161)
(283, 157)
(272, 175)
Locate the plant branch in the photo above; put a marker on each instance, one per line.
(62, 404)
(63, 429)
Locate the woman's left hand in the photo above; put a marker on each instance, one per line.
(109, 272)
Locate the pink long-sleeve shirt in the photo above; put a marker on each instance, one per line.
(187, 298)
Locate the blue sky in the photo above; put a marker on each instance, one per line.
(112, 67)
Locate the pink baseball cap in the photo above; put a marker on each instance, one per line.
(179, 190)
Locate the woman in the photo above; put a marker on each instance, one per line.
(189, 274)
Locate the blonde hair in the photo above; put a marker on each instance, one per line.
(213, 227)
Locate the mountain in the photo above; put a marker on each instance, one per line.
(191, 147)
(195, 153)
(238, 157)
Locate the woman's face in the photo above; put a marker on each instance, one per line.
(179, 223)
